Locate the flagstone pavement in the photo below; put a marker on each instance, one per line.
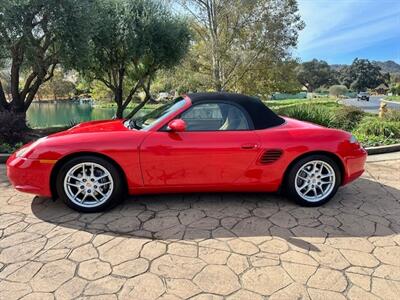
(207, 246)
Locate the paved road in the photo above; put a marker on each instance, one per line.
(207, 246)
(371, 106)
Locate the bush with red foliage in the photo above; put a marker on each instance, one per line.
(13, 128)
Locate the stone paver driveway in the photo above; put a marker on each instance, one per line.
(207, 246)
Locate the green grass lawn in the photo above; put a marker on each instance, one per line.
(393, 98)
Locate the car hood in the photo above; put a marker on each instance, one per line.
(95, 126)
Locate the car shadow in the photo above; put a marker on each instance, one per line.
(362, 209)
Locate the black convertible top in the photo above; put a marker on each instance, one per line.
(261, 115)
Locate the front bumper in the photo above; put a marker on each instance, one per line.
(354, 165)
(30, 175)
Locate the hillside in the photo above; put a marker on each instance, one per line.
(387, 66)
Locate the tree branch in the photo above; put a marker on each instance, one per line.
(106, 83)
(32, 92)
(132, 92)
(3, 101)
(27, 85)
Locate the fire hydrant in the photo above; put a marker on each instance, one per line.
(382, 109)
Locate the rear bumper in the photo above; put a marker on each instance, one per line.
(354, 165)
(30, 175)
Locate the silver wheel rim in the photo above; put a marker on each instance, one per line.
(315, 180)
(88, 184)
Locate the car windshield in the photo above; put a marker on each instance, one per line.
(144, 120)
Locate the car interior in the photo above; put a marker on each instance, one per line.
(215, 116)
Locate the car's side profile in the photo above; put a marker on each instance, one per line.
(200, 142)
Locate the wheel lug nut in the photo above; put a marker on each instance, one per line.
(95, 186)
(81, 186)
(89, 191)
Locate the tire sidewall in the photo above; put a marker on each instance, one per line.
(116, 195)
(290, 179)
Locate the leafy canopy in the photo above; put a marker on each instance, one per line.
(314, 74)
(131, 42)
(362, 74)
(237, 39)
(35, 36)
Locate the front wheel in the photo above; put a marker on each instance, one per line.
(313, 180)
(89, 184)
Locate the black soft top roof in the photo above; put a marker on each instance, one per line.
(261, 115)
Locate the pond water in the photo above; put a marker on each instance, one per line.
(65, 113)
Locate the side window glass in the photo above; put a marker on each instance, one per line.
(215, 116)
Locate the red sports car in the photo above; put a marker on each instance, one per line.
(199, 142)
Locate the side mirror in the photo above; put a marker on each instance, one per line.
(177, 125)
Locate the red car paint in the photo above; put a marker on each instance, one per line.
(155, 161)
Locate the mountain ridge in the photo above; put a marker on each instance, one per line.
(388, 66)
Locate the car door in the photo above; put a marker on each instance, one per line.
(216, 149)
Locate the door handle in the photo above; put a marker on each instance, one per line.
(249, 146)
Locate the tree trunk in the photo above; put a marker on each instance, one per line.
(119, 114)
(138, 107)
(216, 65)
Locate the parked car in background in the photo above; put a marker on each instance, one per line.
(363, 96)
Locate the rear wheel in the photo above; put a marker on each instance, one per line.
(89, 184)
(313, 180)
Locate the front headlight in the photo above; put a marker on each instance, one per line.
(22, 151)
(25, 150)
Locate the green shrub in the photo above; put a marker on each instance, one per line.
(347, 117)
(392, 115)
(321, 115)
(372, 140)
(338, 90)
(7, 148)
(378, 127)
(12, 128)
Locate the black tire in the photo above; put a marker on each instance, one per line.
(117, 193)
(289, 185)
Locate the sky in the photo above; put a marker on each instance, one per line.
(338, 31)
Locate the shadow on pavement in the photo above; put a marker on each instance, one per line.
(362, 209)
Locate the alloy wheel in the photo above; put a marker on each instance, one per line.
(315, 180)
(88, 184)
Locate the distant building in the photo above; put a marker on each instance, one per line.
(381, 89)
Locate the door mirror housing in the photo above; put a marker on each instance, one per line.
(177, 125)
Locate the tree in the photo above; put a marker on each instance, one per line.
(267, 78)
(395, 89)
(235, 35)
(57, 86)
(362, 74)
(338, 90)
(315, 73)
(36, 36)
(133, 40)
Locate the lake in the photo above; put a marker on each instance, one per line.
(62, 114)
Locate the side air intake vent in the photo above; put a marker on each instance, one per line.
(270, 156)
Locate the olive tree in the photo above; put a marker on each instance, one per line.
(131, 42)
(36, 36)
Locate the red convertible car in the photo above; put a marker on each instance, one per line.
(200, 142)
